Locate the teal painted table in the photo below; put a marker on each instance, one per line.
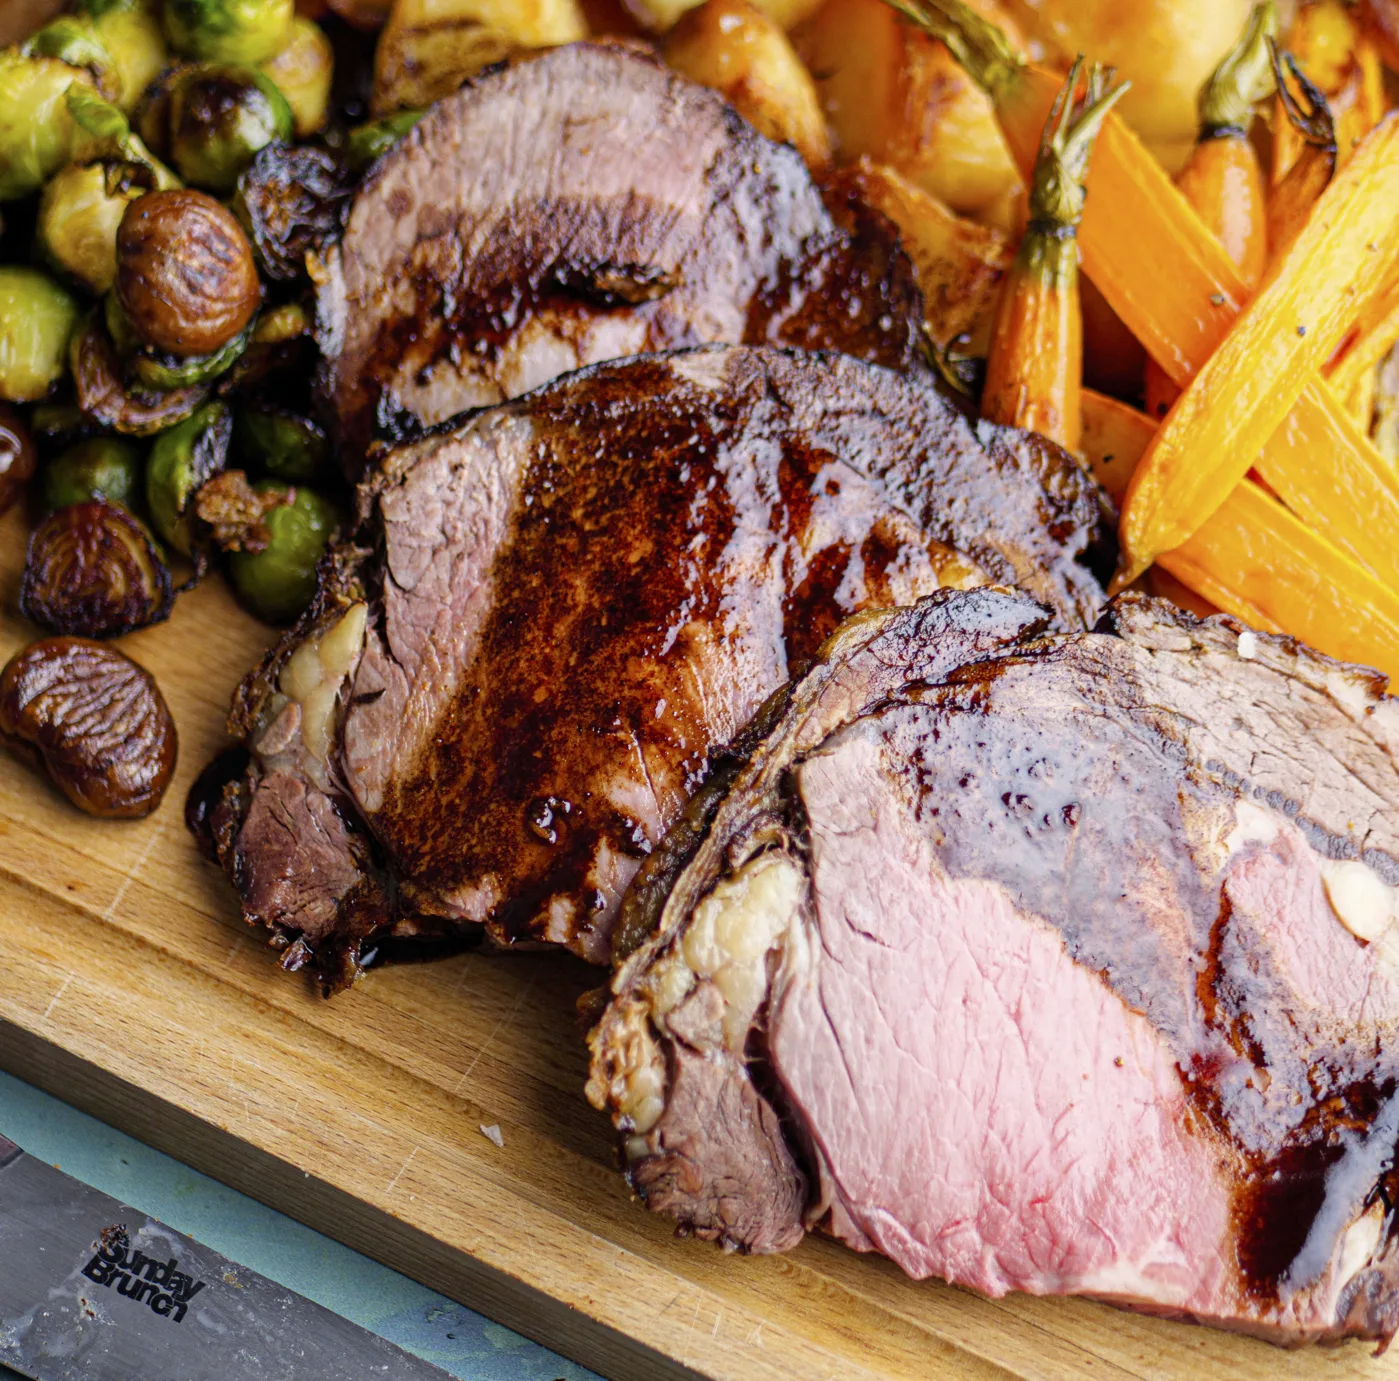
(461, 1342)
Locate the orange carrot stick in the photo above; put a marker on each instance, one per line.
(1346, 253)
(1034, 369)
(1256, 560)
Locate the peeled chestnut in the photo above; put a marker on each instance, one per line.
(185, 272)
(16, 457)
(95, 720)
(92, 569)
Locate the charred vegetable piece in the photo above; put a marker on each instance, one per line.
(181, 460)
(36, 320)
(367, 142)
(185, 273)
(1034, 371)
(229, 30)
(280, 444)
(235, 514)
(166, 372)
(219, 117)
(16, 457)
(79, 213)
(303, 72)
(102, 397)
(277, 582)
(93, 570)
(36, 130)
(290, 201)
(94, 720)
(105, 467)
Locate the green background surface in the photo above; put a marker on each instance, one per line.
(463, 1343)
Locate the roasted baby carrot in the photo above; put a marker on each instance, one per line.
(1034, 369)
(1223, 179)
(1344, 255)
(1309, 118)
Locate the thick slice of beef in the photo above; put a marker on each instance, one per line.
(1057, 963)
(555, 612)
(581, 206)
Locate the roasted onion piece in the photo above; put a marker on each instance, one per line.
(16, 457)
(95, 720)
(92, 570)
(290, 200)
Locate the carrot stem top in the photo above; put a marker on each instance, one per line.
(1058, 188)
(1244, 78)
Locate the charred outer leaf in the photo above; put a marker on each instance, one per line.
(92, 570)
(290, 201)
(95, 720)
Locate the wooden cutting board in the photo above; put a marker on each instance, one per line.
(129, 986)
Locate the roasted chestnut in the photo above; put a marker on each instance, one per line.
(290, 200)
(16, 457)
(95, 720)
(93, 570)
(185, 272)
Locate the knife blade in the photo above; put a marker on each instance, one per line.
(94, 1290)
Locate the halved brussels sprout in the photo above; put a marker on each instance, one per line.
(277, 583)
(105, 467)
(277, 442)
(181, 460)
(130, 31)
(93, 571)
(73, 39)
(78, 219)
(219, 117)
(302, 72)
(36, 128)
(36, 319)
(229, 30)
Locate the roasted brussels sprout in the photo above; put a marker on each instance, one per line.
(93, 570)
(229, 30)
(218, 118)
(94, 720)
(166, 372)
(104, 467)
(277, 583)
(302, 72)
(290, 200)
(130, 31)
(73, 39)
(36, 129)
(36, 320)
(367, 142)
(97, 382)
(276, 442)
(185, 273)
(103, 135)
(181, 460)
(78, 219)
(16, 457)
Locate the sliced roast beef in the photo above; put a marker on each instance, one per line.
(580, 206)
(556, 611)
(1058, 963)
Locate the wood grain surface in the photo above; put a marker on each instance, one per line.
(129, 986)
